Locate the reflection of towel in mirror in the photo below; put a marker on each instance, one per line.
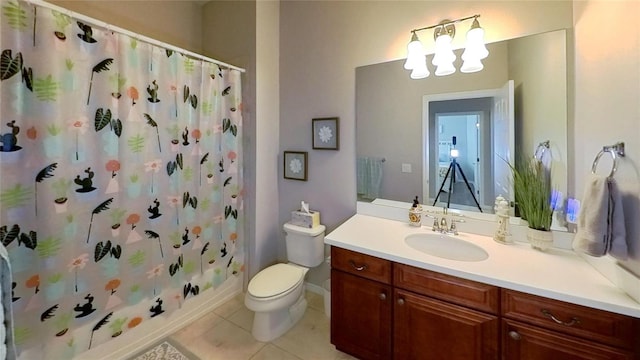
(369, 177)
(601, 227)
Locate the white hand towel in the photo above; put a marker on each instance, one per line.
(593, 227)
(601, 226)
(618, 234)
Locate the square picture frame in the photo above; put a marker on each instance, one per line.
(295, 165)
(326, 133)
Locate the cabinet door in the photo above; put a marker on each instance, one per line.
(360, 316)
(426, 328)
(580, 321)
(526, 342)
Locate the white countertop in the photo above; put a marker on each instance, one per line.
(556, 274)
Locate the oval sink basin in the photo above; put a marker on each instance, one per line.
(446, 247)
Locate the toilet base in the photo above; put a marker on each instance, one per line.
(270, 325)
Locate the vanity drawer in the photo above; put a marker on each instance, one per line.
(599, 325)
(359, 264)
(452, 289)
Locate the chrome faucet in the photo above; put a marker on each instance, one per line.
(443, 224)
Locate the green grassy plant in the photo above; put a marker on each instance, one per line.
(532, 186)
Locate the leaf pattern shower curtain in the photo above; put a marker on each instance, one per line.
(120, 179)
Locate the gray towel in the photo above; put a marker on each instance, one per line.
(601, 227)
(618, 233)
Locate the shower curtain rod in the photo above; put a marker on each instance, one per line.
(139, 37)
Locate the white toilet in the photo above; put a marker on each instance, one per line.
(276, 294)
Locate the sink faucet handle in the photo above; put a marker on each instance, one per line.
(454, 229)
(436, 224)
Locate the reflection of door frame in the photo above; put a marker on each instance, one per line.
(426, 99)
(478, 150)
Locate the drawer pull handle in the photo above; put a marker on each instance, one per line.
(401, 301)
(514, 335)
(383, 296)
(548, 314)
(358, 268)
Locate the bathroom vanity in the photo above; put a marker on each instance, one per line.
(389, 300)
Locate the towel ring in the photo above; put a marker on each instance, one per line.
(541, 149)
(615, 151)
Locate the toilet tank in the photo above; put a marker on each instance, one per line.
(305, 246)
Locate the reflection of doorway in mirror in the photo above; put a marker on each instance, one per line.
(465, 127)
(495, 143)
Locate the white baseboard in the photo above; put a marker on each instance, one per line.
(316, 289)
(155, 329)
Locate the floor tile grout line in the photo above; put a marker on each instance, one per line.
(237, 306)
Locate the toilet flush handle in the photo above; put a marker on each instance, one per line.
(358, 268)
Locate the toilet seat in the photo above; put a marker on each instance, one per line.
(275, 280)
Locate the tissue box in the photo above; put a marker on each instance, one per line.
(302, 219)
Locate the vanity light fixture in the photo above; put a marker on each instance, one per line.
(443, 58)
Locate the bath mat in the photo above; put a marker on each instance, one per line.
(166, 350)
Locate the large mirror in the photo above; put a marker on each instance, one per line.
(406, 129)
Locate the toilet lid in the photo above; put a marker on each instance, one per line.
(275, 280)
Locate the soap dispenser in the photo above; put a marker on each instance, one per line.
(415, 213)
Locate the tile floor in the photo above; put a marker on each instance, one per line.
(225, 334)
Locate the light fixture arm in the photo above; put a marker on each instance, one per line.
(446, 23)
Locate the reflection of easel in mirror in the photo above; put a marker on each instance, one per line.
(452, 170)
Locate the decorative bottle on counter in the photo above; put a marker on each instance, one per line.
(415, 213)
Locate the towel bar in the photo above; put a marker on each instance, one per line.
(615, 150)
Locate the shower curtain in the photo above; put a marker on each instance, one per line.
(120, 179)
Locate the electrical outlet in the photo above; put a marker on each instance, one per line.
(406, 168)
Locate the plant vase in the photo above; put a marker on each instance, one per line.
(540, 239)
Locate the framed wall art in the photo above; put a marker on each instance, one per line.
(295, 165)
(326, 133)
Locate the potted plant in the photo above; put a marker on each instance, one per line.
(533, 190)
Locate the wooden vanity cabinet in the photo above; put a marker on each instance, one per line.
(437, 316)
(426, 328)
(535, 327)
(361, 304)
(384, 310)
(528, 342)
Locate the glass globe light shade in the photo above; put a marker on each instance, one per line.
(471, 65)
(475, 46)
(445, 69)
(415, 53)
(444, 51)
(420, 70)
